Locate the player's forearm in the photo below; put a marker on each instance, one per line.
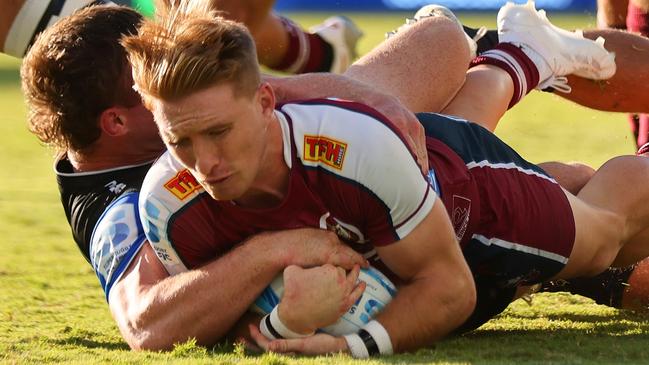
(439, 293)
(427, 309)
(204, 303)
(321, 85)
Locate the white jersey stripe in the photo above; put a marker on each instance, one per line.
(508, 166)
(520, 248)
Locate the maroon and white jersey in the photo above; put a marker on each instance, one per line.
(361, 182)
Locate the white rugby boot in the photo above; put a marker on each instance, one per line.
(563, 52)
(342, 35)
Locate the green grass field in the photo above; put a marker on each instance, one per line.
(53, 310)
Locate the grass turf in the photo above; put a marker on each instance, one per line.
(52, 309)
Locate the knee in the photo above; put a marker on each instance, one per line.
(581, 174)
(444, 34)
(632, 170)
(571, 176)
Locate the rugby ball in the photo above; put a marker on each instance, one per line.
(378, 292)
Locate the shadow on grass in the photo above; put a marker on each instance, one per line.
(90, 343)
(88, 339)
(589, 339)
(625, 315)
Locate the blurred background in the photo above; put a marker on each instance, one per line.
(400, 5)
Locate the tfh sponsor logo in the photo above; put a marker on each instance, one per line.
(183, 184)
(325, 150)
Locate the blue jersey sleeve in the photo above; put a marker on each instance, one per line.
(116, 239)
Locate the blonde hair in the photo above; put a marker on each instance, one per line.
(189, 48)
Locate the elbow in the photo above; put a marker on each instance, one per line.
(142, 330)
(142, 334)
(459, 299)
(149, 342)
(468, 299)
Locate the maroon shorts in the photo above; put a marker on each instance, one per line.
(514, 222)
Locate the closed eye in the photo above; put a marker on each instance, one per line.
(217, 132)
(181, 143)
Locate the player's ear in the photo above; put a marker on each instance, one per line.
(266, 97)
(113, 121)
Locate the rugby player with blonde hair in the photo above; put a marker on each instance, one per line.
(261, 169)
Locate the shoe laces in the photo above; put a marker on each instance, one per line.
(558, 83)
(482, 31)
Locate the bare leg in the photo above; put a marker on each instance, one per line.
(628, 89)
(611, 218)
(411, 66)
(611, 13)
(474, 104)
(572, 176)
(271, 40)
(285, 46)
(266, 28)
(642, 4)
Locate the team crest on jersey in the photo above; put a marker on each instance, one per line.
(183, 184)
(460, 215)
(344, 231)
(325, 150)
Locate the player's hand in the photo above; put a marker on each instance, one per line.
(407, 123)
(308, 247)
(317, 297)
(318, 344)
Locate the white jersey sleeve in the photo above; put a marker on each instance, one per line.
(167, 188)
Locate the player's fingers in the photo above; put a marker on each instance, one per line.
(286, 346)
(346, 258)
(355, 295)
(419, 135)
(258, 337)
(422, 156)
(420, 152)
(352, 278)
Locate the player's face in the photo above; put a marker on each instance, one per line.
(220, 137)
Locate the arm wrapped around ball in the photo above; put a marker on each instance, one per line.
(319, 299)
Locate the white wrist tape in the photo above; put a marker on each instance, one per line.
(356, 346)
(273, 328)
(34, 17)
(381, 337)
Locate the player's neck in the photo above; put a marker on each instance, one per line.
(95, 160)
(271, 184)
